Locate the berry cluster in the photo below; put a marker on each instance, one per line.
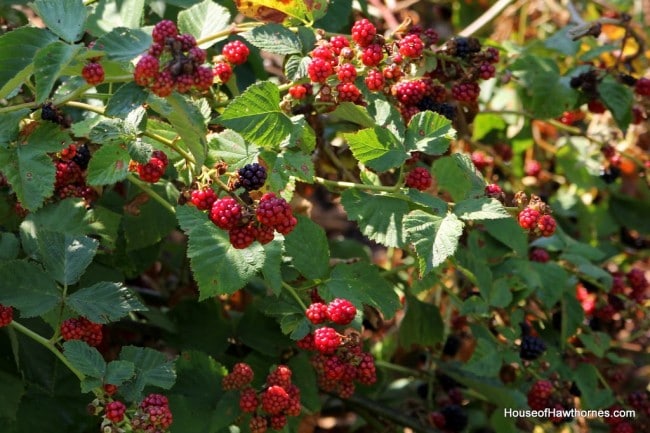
(152, 415)
(173, 62)
(82, 329)
(273, 404)
(419, 178)
(114, 411)
(153, 170)
(532, 347)
(93, 73)
(70, 177)
(6, 315)
(535, 217)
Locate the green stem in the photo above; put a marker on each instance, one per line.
(229, 31)
(400, 369)
(293, 293)
(48, 345)
(151, 193)
(17, 107)
(389, 414)
(338, 184)
(171, 144)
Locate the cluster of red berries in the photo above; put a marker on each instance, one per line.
(535, 217)
(270, 406)
(173, 62)
(154, 169)
(544, 395)
(339, 360)
(93, 72)
(153, 415)
(6, 315)
(419, 178)
(70, 177)
(233, 53)
(114, 411)
(82, 329)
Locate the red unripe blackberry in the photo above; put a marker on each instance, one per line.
(372, 55)
(486, 71)
(596, 106)
(187, 42)
(411, 46)
(408, 111)
(317, 313)
(334, 368)
(223, 71)
(163, 85)
(539, 255)
(67, 173)
(324, 52)
(642, 86)
(466, 92)
(82, 329)
(156, 49)
(539, 394)
(110, 389)
(248, 401)
(203, 78)
(264, 234)
(153, 170)
(280, 376)
(326, 340)
(242, 237)
(419, 178)
(197, 55)
(115, 411)
(346, 73)
(374, 80)
(481, 160)
(163, 30)
(348, 92)
(345, 389)
(341, 311)
(204, 198)
(225, 213)
(636, 278)
(366, 370)
(546, 225)
(528, 218)
(337, 43)
(363, 32)
(437, 419)
(278, 421)
(493, 190)
(251, 177)
(319, 69)
(275, 400)
(156, 407)
(492, 55)
(275, 212)
(257, 424)
(69, 152)
(532, 167)
(93, 73)
(409, 92)
(184, 83)
(235, 52)
(298, 91)
(393, 72)
(6, 315)
(146, 70)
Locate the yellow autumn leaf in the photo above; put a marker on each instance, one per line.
(282, 11)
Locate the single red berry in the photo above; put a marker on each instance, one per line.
(596, 106)
(184, 83)
(242, 373)
(278, 421)
(115, 411)
(156, 49)
(408, 111)
(546, 225)
(298, 91)
(334, 367)
(481, 160)
(539, 255)
(248, 401)
(306, 343)
(642, 86)
(163, 30)
(346, 73)
(326, 340)
(153, 170)
(539, 394)
(437, 419)
(493, 190)
(187, 42)
(366, 370)
(528, 218)
(156, 408)
(372, 55)
(363, 32)
(6, 315)
(236, 52)
(492, 55)
(69, 152)
(203, 198)
(337, 43)
(374, 80)
(197, 55)
(325, 53)
(146, 70)
(411, 46)
(280, 376)
(203, 78)
(341, 311)
(82, 329)
(532, 167)
(67, 173)
(409, 92)
(636, 278)
(93, 73)
(264, 234)
(258, 424)
(163, 85)
(225, 213)
(419, 178)
(317, 313)
(393, 72)
(345, 389)
(348, 92)
(274, 400)
(486, 71)
(275, 212)
(466, 91)
(242, 237)
(223, 71)
(110, 389)
(319, 69)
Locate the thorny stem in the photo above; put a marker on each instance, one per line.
(293, 293)
(151, 193)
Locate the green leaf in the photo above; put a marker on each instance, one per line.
(153, 222)
(471, 173)
(84, 358)
(10, 125)
(430, 133)
(272, 270)
(231, 147)
(380, 217)
(485, 124)
(283, 166)
(274, 38)
(217, 266)
(109, 164)
(618, 99)
(377, 148)
(25, 286)
(127, 98)
(586, 377)
(508, 232)
(66, 256)
(351, 112)
(65, 18)
(562, 42)
(451, 178)
(204, 19)
(29, 169)
(187, 121)
(490, 387)
(151, 368)
(49, 62)
(308, 248)
(140, 151)
(486, 359)
(361, 283)
(110, 131)
(118, 372)
(302, 136)
(17, 50)
(109, 15)
(9, 246)
(435, 238)
(295, 67)
(257, 116)
(597, 343)
(13, 391)
(479, 209)
(554, 281)
(122, 44)
(386, 115)
(104, 302)
(422, 324)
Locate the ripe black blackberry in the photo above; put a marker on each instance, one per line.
(531, 348)
(441, 108)
(82, 157)
(53, 114)
(251, 177)
(455, 418)
(464, 47)
(452, 345)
